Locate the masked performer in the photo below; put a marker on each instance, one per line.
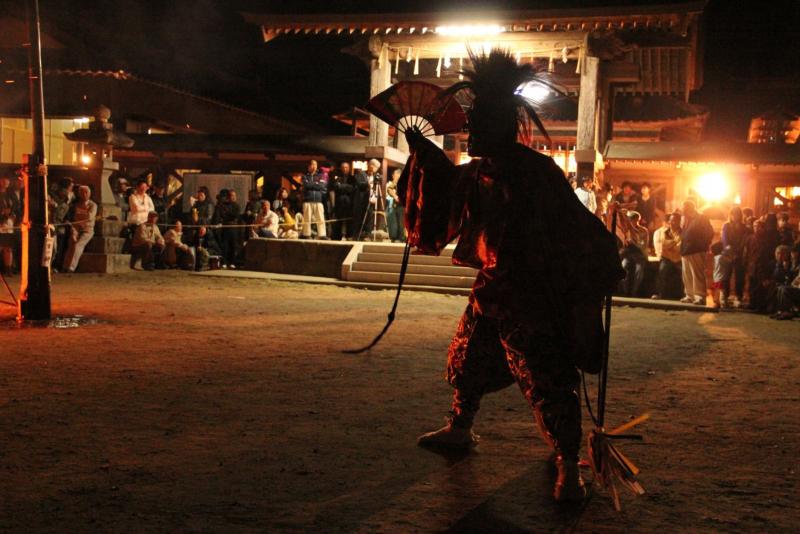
(545, 262)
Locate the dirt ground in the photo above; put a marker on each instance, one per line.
(206, 404)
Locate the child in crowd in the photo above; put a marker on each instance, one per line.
(723, 261)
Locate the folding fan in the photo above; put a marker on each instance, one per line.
(419, 105)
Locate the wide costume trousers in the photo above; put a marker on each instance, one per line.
(487, 355)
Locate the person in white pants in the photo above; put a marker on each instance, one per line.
(315, 191)
(82, 215)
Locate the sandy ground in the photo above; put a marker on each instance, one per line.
(204, 404)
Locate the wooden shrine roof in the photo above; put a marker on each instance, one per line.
(666, 16)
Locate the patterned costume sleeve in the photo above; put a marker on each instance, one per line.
(432, 207)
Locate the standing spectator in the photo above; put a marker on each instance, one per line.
(395, 211)
(10, 216)
(340, 189)
(749, 219)
(627, 198)
(176, 252)
(734, 236)
(646, 206)
(785, 230)
(228, 214)
(147, 243)
(140, 204)
(266, 223)
(723, 262)
(122, 195)
(314, 195)
(203, 205)
(695, 240)
(667, 244)
(586, 194)
(160, 203)
(82, 216)
(634, 255)
(760, 257)
(366, 200)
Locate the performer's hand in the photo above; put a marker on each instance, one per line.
(414, 138)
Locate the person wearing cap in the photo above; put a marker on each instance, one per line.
(82, 216)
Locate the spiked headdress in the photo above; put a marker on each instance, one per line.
(497, 78)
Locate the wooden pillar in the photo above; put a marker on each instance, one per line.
(588, 112)
(379, 80)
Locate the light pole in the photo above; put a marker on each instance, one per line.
(34, 301)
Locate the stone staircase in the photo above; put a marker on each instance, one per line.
(379, 263)
(104, 254)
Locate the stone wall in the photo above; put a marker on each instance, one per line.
(293, 256)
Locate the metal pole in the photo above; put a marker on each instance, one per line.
(34, 301)
(601, 392)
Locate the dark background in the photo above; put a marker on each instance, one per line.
(752, 52)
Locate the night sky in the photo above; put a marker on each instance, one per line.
(752, 60)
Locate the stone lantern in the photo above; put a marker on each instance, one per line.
(104, 252)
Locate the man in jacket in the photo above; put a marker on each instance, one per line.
(695, 239)
(340, 189)
(315, 190)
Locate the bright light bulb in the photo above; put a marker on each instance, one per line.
(534, 91)
(469, 30)
(86, 159)
(712, 187)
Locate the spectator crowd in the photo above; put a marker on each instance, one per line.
(753, 262)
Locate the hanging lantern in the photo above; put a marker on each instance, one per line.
(460, 68)
(447, 60)
(439, 67)
(551, 65)
(397, 61)
(564, 55)
(416, 64)
(408, 55)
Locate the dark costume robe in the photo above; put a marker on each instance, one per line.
(544, 263)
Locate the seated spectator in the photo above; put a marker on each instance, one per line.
(147, 243)
(667, 244)
(723, 264)
(82, 215)
(176, 252)
(287, 225)
(787, 290)
(281, 200)
(205, 246)
(59, 209)
(253, 206)
(634, 255)
(266, 223)
(760, 257)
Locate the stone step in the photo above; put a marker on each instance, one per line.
(439, 270)
(108, 227)
(397, 248)
(105, 245)
(104, 263)
(412, 279)
(414, 259)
